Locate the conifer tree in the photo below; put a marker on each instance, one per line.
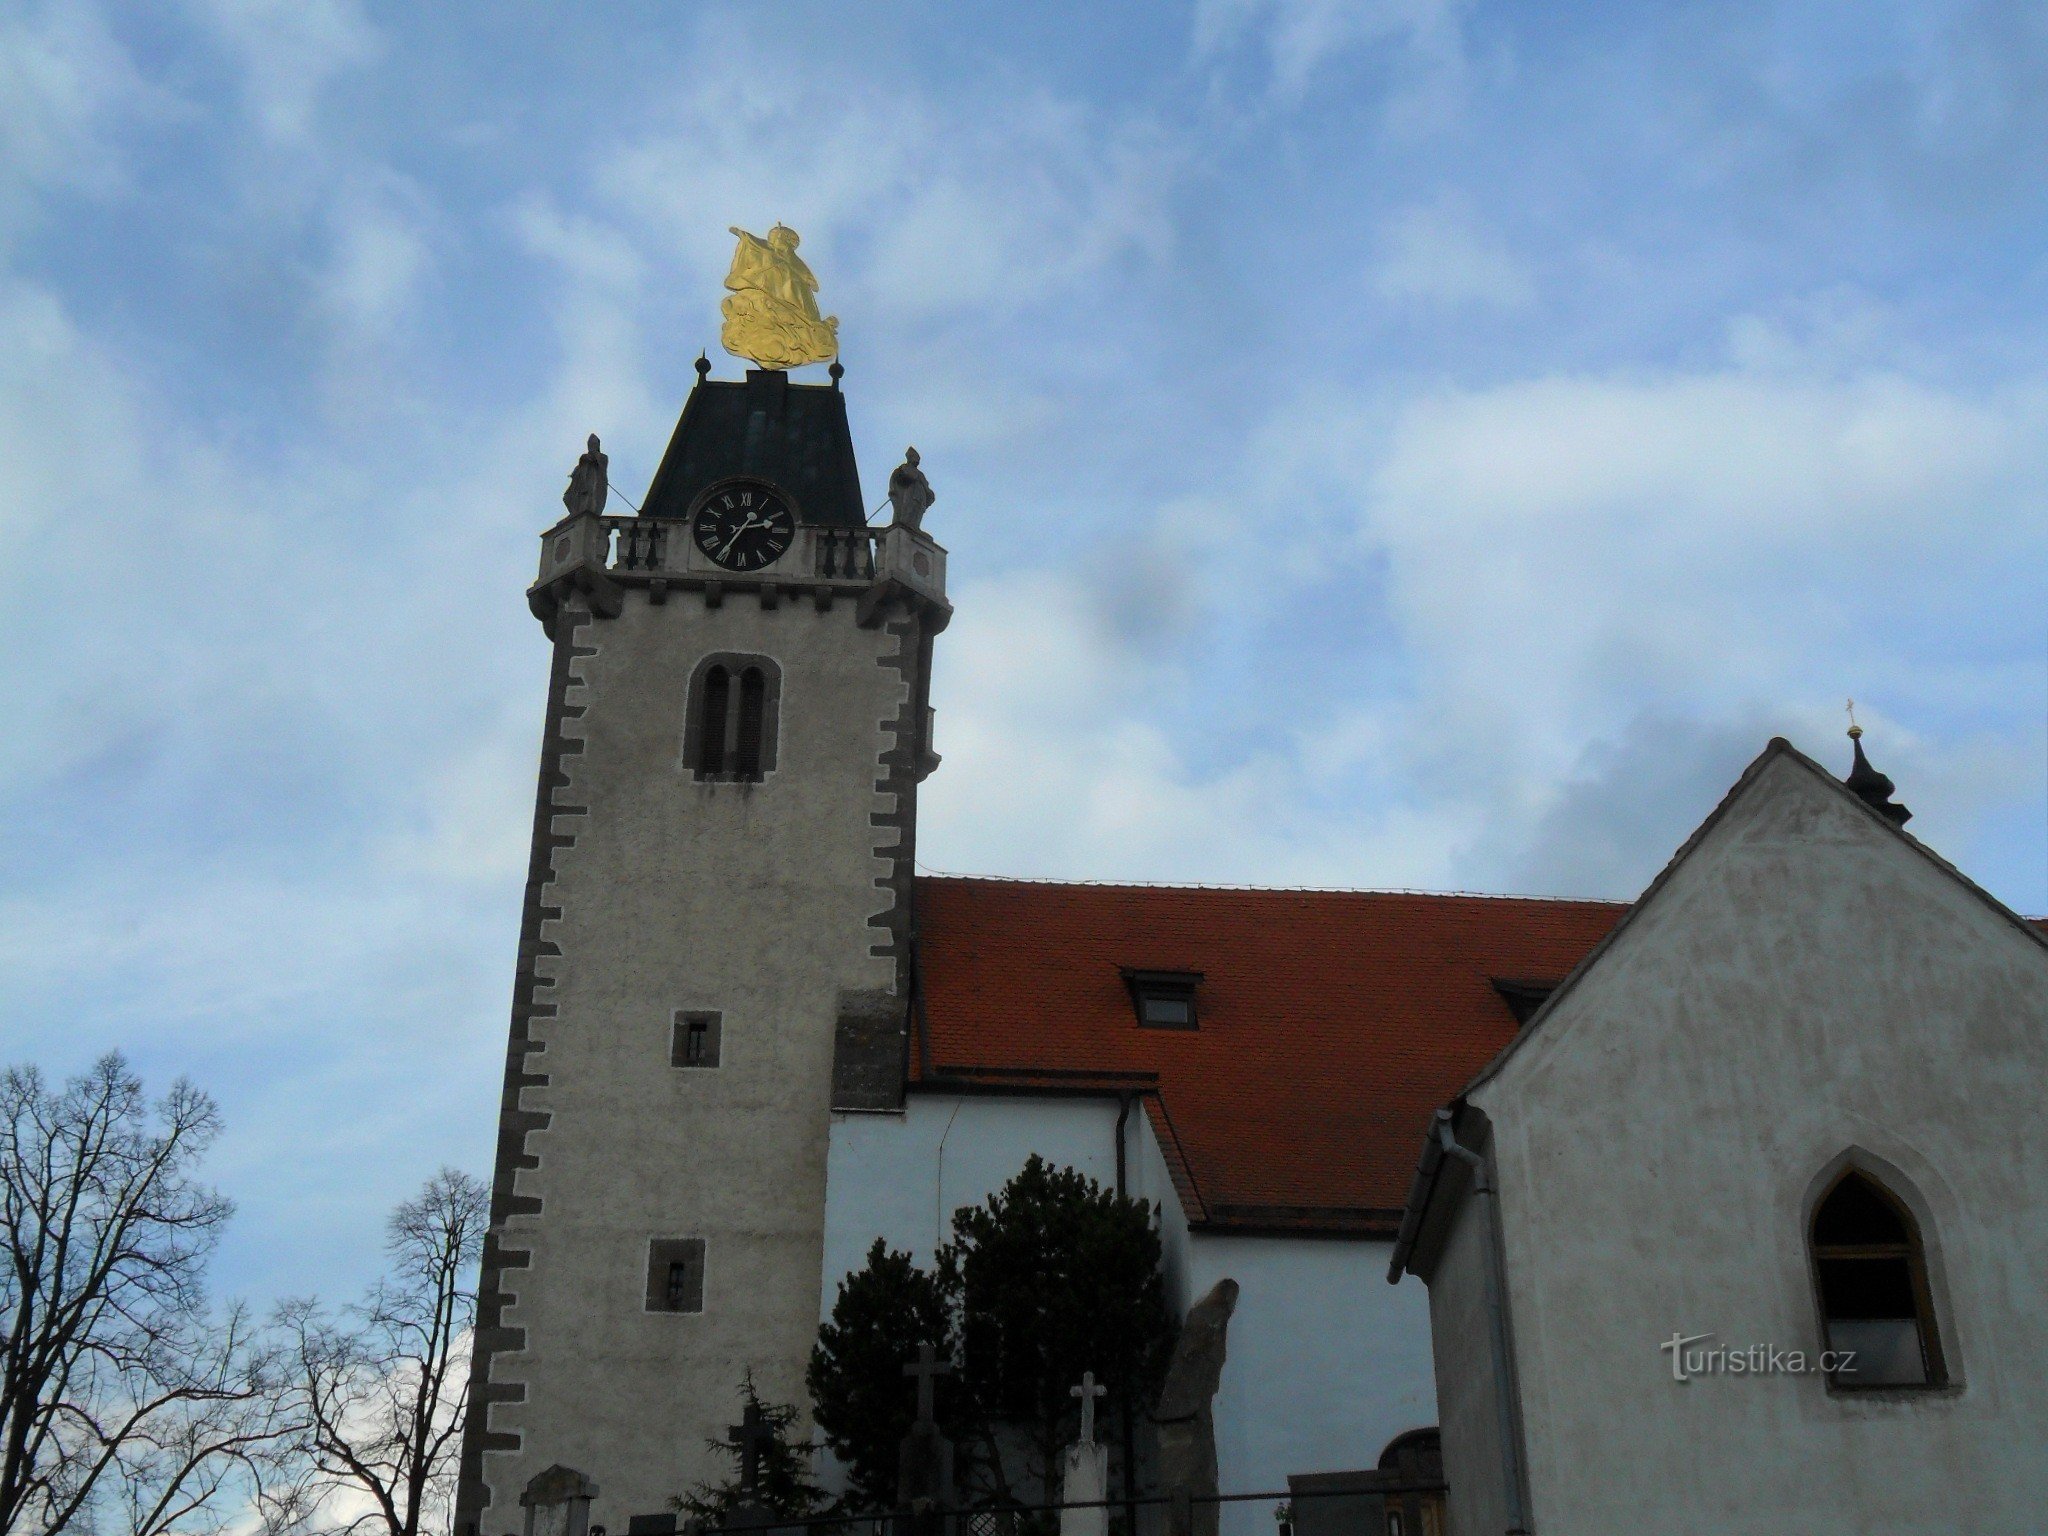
(858, 1393)
(785, 1482)
(1052, 1276)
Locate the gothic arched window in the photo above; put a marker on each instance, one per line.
(730, 727)
(746, 749)
(1871, 1272)
(715, 700)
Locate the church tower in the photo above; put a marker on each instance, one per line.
(714, 953)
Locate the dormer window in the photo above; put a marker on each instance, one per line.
(1164, 999)
(1523, 997)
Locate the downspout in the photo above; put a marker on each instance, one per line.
(1129, 1434)
(917, 1033)
(1123, 1115)
(1497, 1320)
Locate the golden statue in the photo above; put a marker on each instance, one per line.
(771, 316)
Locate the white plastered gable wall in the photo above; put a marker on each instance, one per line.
(1803, 984)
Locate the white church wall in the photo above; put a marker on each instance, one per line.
(1327, 1362)
(901, 1177)
(1149, 1162)
(1461, 1331)
(1806, 985)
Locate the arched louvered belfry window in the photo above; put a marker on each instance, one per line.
(733, 715)
(746, 751)
(714, 704)
(1871, 1270)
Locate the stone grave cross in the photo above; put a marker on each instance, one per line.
(927, 1368)
(924, 1465)
(1084, 1470)
(1088, 1391)
(751, 1435)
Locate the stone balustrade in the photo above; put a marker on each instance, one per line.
(655, 546)
(603, 556)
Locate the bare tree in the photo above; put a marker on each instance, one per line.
(381, 1388)
(122, 1401)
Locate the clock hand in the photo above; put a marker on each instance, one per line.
(743, 527)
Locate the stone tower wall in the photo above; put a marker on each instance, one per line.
(781, 906)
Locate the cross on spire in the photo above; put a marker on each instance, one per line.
(1088, 1391)
(750, 1435)
(926, 1368)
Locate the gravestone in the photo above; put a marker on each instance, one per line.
(557, 1502)
(1084, 1470)
(924, 1465)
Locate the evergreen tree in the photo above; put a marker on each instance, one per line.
(859, 1395)
(785, 1485)
(1054, 1276)
(1051, 1277)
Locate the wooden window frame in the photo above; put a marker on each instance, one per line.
(1913, 1252)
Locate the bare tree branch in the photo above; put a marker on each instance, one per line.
(122, 1401)
(380, 1388)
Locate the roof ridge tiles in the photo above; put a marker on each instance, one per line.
(927, 873)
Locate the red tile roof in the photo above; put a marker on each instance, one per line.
(1333, 1023)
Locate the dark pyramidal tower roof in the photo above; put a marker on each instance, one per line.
(794, 436)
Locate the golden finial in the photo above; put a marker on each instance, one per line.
(1855, 730)
(771, 315)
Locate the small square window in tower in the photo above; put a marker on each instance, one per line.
(675, 1274)
(695, 1040)
(1164, 999)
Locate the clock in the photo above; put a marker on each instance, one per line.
(743, 525)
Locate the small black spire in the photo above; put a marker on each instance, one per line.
(703, 367)
(837, 371)
(1874, 789)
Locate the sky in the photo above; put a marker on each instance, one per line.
(1380, 443)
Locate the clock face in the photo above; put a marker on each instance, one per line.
(744, 526)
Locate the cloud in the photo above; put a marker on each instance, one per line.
(66, 85)
(1518, 636)
(1059, 762)
(282, 734)
(1694, 537)
(914, 206)
(1435, 255)
(373, 270)
(1632, 799)
(380, 258)
(288, 51)
(1300, 38)
(589, 249)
